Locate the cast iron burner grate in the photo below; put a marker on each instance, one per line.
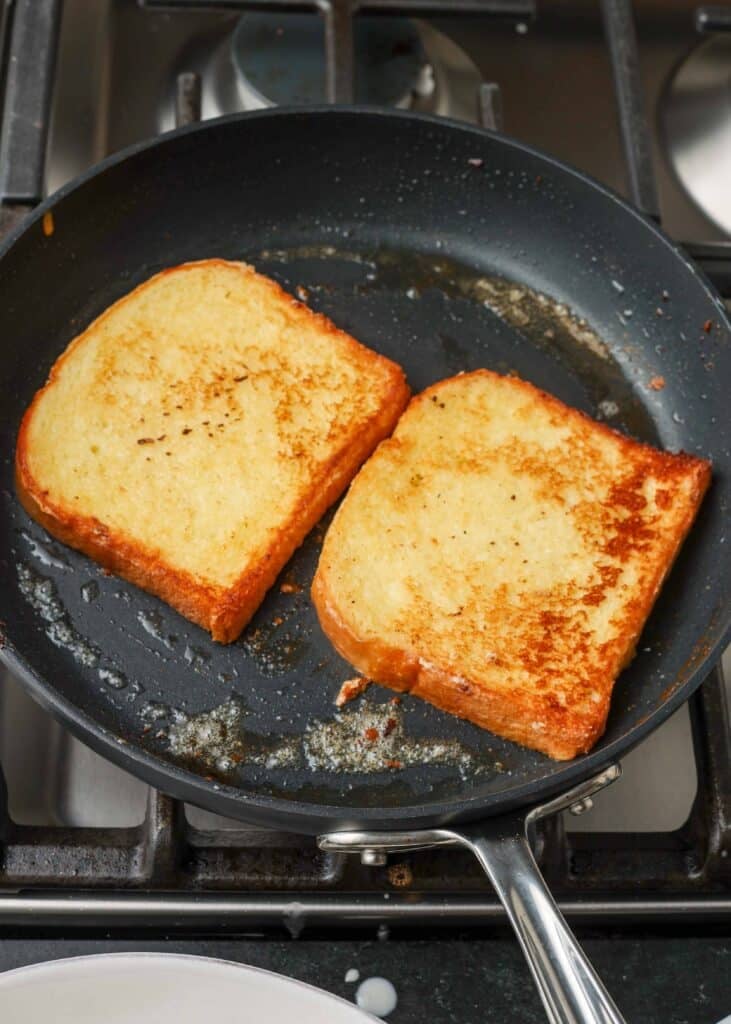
(168, 874)
(165, 873)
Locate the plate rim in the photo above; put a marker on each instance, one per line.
(7, 977)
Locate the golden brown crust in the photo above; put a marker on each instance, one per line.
(115, 552)
(534, 717)
(563, 737)
(222, 611)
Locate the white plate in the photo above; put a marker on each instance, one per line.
(152, 988)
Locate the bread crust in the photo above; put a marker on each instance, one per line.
(531, 718)
(224, 611)
(409, 672)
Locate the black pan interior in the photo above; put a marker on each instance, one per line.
(447, 249)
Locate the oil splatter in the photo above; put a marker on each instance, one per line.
(152, 622)
(369, 739)
(607, 409)
(377, 996)
(274, 651)
(89, 591)
(45, 553)
(372, 738)
(196, 658)
(112, 679)
(212, 738)
(547, 323)
(42, 596)
(217, 738)
(155, 711)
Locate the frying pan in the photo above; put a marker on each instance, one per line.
(447, 248)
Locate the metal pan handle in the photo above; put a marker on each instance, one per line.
(570, 988)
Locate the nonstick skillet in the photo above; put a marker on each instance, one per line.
(447, 248)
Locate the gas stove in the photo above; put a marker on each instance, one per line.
(91, 858)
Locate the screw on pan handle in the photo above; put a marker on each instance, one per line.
(571, 991)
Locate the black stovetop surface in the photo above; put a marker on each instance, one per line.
(447, 977)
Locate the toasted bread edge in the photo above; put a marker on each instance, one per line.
(222, 611)
(409, 672)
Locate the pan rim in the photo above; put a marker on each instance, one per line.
(241, 803)
(396, 114)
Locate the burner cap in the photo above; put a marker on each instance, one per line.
(281, 60)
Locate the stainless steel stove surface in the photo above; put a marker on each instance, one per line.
(654, 845)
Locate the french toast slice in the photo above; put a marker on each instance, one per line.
(190, 438)
(498, 556)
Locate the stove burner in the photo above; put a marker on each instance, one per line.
(269, 61)
(281, 60)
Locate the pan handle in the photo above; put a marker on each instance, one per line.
(570, 988)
